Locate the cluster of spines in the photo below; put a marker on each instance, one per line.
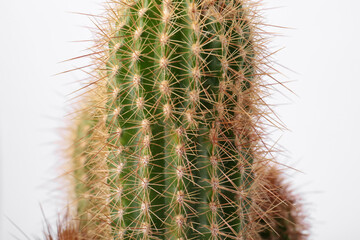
(174, 145)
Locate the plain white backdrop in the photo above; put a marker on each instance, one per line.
(322, 49)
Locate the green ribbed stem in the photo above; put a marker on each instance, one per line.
(178, 134)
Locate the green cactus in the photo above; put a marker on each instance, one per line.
(171, 144)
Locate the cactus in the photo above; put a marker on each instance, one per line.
(171, 141)
(286, 219)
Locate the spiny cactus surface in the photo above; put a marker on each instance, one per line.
(171, 144)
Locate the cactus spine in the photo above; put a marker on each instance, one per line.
(171, 142)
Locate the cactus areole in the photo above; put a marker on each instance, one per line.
(170, 143)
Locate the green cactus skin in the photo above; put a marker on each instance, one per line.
(171, 143)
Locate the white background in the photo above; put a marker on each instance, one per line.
(322, 49)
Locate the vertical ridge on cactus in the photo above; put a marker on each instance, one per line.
(171, 141)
